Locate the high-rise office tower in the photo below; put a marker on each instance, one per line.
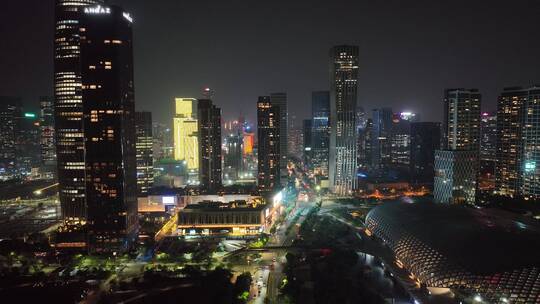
(27, 142)
(530, 181)
(144, 148)
(295, 139)
(425, 139)
(461, 126)
(343, 104)
(400, 140)
(249, 156)
(455, 176)
(280, 100)
(248, 141)
(232, 160)
(456, 166)
(307, 139)
(9, 110)
(69, 109)
(108, 106)
(365, 134)
(268, 137)
(320, 133)
(510, 118)
(163, 141)
(209, 117)
(488, 137)
(488, 151)
(517, 169)
(381, 145)
(47, 140)
(185, 130)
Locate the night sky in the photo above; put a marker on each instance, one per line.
(409, 50)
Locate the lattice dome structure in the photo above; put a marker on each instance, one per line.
(488, 252)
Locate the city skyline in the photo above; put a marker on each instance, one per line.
(394, 42)
(112, 191)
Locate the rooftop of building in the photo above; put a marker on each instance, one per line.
(483, 241)
(238, 205)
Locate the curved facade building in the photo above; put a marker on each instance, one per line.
(468, 250)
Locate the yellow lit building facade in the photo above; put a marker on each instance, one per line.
(185, 124)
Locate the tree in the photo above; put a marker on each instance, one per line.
(241, 286)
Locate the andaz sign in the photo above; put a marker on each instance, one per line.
(97, 10)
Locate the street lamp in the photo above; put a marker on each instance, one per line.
(477, 298)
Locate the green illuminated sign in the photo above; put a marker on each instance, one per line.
(29, 115)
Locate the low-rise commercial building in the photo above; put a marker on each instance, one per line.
(236, 217)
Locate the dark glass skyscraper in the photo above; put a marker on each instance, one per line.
(268, 135)
(232, 159)
(365, 134)
(69, 109)
(280, 100)
(145, 155)
(343, 104)
(320, 134)
(209, 117)
(108, 105)
(381, 144)
(425, 139)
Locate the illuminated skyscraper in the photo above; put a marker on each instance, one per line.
(343, 104)
(8, 129)
(186, 128)
(144, 147)
(249, 141)
(210, 171)
(488, 152)
(517, 170)
(108, 104)
(456, 167)
(268, 135)
(69, 109)
(510, 115)
(400, 142)
(461, 126)
(47, 140)
(320, 134)
(530, 164)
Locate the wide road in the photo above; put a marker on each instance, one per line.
(284, 238)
